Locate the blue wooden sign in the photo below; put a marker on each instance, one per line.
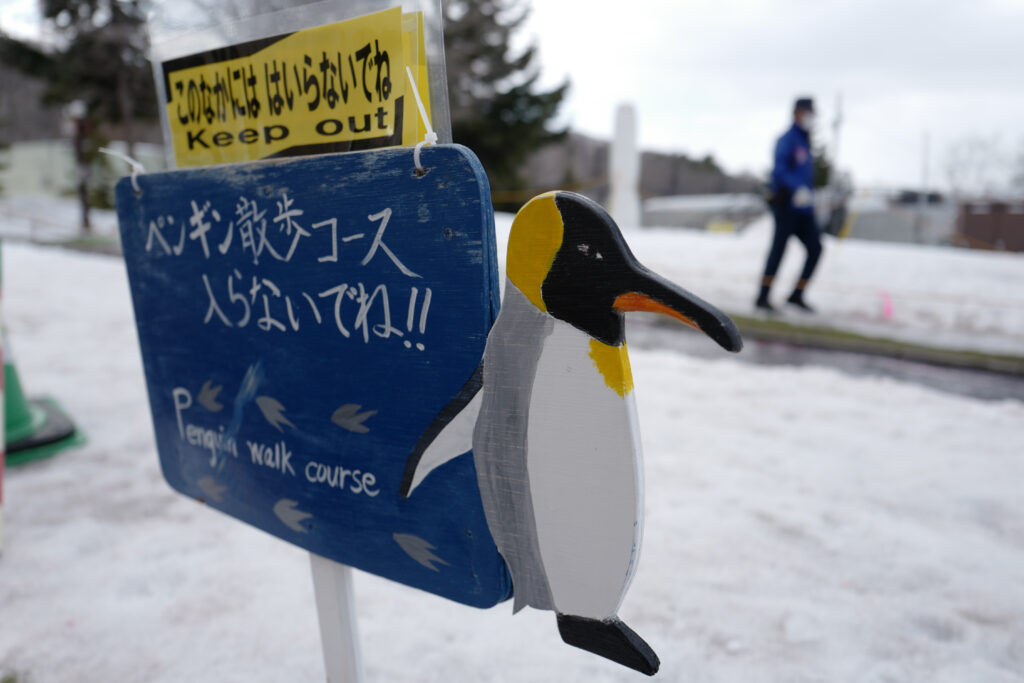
(302, 323)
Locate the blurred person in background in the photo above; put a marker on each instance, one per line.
(792, 204)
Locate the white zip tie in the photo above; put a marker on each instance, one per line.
(135, 166)
(431, 137)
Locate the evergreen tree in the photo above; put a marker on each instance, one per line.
(100, 61)
(496, 108)
(103, 60)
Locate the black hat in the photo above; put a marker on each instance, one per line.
(804, 104)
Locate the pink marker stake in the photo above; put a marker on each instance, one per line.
(886, 305)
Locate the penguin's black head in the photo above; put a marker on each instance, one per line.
(569, 258)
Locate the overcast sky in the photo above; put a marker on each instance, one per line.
(717, 77)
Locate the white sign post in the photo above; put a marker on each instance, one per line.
(336, 609)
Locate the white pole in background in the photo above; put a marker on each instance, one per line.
(836, 191)
(922, 199)
(336, 609)
(837, 122)
(624, 170)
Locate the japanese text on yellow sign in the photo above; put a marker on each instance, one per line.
(332, 88)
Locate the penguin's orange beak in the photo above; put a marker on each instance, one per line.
(648, 292)
(635, 301)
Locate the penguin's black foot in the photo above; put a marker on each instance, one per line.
(610, 639)
(797, 299)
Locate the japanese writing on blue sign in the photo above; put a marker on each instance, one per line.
(301, 323)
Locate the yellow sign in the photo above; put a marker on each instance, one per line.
(327, 89)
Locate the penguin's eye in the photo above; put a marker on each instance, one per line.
(598, 256)
(583, 249)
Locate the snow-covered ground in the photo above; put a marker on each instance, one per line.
(42, 218)
(803, 525)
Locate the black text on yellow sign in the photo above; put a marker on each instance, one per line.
(332, 88)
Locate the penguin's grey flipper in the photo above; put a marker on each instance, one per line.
(448, 436)
(611, 639)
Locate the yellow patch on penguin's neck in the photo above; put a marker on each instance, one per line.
(532, 245)
(613, 363)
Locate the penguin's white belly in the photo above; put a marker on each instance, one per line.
(585, 470)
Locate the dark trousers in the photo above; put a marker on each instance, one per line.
(802, 225)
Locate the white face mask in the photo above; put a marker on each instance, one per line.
(805, 120)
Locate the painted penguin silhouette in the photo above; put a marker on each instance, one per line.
(551, 419)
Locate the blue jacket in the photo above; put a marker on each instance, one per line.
(794, 166)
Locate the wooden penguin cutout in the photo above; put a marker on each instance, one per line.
(551, 419)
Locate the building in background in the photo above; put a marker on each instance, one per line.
(726, 212)
(580, 163)
(995, 225)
